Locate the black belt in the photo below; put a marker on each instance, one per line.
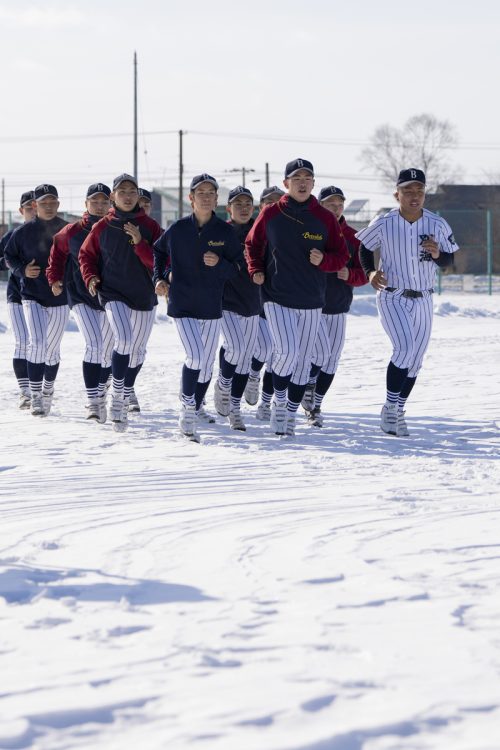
(412, 293)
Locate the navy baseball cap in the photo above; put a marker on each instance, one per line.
(272, 190)
(326, 192)
(296, 165)
(98, 188)
(124, 178)
(42, 191)
(410, 175)
(237, 191)
(27, 198)
(143, 193)
(203, 178)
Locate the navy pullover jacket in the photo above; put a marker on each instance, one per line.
(32, 241)
(13, 284)
(125, 269)
(241, 295)
(279, 245)
(63, 261)
(338, 292)
(196, 289)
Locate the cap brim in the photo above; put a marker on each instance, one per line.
(98, 192)
(301, 169)
(47, 195)
(409, 182)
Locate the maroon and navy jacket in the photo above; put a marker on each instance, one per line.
(63, 261)
(279, 245)
(125, 269)
(241, 295)
(32, 241)
(14, 283)
(338, 292)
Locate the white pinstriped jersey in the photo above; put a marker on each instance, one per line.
(404, 263)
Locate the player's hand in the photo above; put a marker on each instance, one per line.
(57, 288)
(258, 278)
(93, 284)
(431, 246)
(316, 256)
(133, 231)
(210, 258)
(377, 280)
(32, 271)
(161, 289)
(343, 273)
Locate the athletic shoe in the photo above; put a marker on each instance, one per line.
(402, 429)
(187, 420)
(103, 411)
(389, 419)
(24, 399)
(252, 390)
(222, 400)
(307, 402)
(315, 418)
(290, 424)
(236, 420)
(119, 413)
(37, 405)
(133, 404)
(263, 413)
(278, 418)
(47, 402)
(205, 416)
(93, 410)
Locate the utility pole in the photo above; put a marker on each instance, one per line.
(244, 171)
(181, 174)
(267, 174)
(135, 117)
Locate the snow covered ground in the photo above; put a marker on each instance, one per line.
(336, 592)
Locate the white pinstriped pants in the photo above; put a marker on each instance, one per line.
(46, 327)
(294, 335)
(408, 323)
(330, 342)
(98, 335)
(239, 338)
(131, 330)
(19, 329)
(264, 345)
(200, 339)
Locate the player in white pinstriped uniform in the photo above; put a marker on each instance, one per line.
(412, 242)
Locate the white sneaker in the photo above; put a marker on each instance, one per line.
(252, 390)
(290, 423)
(389, 419)
(307, 402)
(119, 413)
(187, 420)
(24, 399)
(402, 428)
(103, 411)
(278, 418)
(133, 403)
(315, 418)
(205, 416)
(93, 410)
(37, 405)
(263, 413)
(222, 399)
(236, 420)
(47, 402)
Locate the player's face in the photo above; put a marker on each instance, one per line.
(269, 200)
(411, 197)
(28, 211)
(46, 208)
(300, 185)
(145, 205)
(334, 204)
(204, 198)
(98, 205)
(125, 196)
(241, 209)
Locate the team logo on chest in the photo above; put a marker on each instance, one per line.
(311, 236)
(216, 243)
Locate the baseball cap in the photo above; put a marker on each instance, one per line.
(272, 190)
(143, 193)
(124, 178)
(240, 190)
(27, 198)
(199, 178)
(294, 166)
(42, 191)
(326, 192)
(98, 188)
(410, 175)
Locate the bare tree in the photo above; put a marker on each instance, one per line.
(423, 142)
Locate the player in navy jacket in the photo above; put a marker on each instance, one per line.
(27, 210)
(339, 294)
(192, 262)
(288, 248)
(116, 261)
(62, 272)
(27, 255)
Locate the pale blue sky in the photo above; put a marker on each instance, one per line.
(310, 70)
